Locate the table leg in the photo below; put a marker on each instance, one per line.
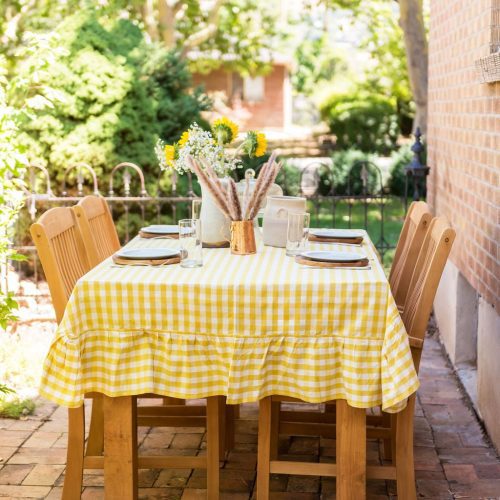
(120, 448)
(351, 452)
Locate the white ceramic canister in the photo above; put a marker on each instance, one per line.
(275, 223)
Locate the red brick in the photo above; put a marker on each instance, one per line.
(14, 474)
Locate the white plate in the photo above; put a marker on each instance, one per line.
(161, 229)
(147, 253)
(328, 256)
(338, 233)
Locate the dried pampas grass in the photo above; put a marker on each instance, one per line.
(228, 200)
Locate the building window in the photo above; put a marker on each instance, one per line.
(495, 26)
(253, 89)
(488, 67)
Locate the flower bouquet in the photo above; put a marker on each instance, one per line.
(208, 150)
(210, 145)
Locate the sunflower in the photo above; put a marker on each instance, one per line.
(184, 138)
(255, 144)
(170, 154)
(225, 130)
(261, 144)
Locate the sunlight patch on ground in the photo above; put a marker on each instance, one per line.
(21, 357)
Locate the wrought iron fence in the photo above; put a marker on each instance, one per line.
(361, 202)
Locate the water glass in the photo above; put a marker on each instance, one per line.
(297, 233)
(196, 208)
(190, 243)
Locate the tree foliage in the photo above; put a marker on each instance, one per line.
(20, 101)
(316, 62)
(398, 42)
(243, 30)
(118, 94)
(241, 36)
(385, 45)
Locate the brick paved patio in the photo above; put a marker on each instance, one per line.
(452, 458)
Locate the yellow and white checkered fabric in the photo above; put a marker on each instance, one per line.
(241, 326)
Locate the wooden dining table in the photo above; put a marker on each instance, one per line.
(243, 327)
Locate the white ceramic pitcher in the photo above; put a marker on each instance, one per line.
(215, 226)
(275, 223)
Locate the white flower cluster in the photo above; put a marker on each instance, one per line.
(160, 154)
(201, 144)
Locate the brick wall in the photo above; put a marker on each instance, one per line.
(267, 113)
(464, 139)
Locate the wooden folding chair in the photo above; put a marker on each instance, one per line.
(410, 241)
(64, 260)
(97, 227)
(422, 289)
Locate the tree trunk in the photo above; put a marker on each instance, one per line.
(411, 21)
(167, 11)
(149, 19)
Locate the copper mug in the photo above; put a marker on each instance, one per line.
(243, 237)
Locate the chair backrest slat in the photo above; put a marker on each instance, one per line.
(97, 227)
(410, 241)
(60, 247)
(425, 279)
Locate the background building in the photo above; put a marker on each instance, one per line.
(254, 102)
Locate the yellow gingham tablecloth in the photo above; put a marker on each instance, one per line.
(241, 326)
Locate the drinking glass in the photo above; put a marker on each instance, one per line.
(297, 233)
(196, 208)
(190, 243)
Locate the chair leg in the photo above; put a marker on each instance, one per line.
(275, 429)
(221, 401)
(236, 412)
(394, 424)
(386, 423)
(95, 441)
(229, 430)
(213, 405)
(76, 446)
(405, 471)
(264, 448)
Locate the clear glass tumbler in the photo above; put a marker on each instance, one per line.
(297, 233)
(190, 243)
(196, 208)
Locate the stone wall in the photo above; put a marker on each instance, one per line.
(464, 185)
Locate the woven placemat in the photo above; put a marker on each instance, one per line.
(146, 262)
(169, 236)
(348, 241)
(316, 263)
(222, 244)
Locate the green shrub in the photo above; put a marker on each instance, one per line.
(363, 121)
(346, 170)
(16, 408)
(397, 178)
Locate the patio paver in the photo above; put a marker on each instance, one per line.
(452, 457)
